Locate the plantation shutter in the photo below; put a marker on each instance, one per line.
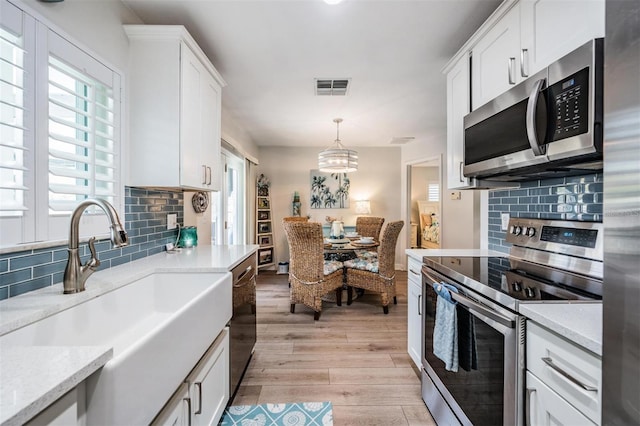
(83, 146)
(433, 192)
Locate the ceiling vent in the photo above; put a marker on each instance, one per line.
(401, 140)
(332, 87)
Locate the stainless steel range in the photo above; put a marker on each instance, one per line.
(549, 262)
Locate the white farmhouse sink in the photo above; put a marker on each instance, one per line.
(159, 327)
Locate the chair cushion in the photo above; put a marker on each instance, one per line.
(330, 266)
(366, 254)
(363, 264)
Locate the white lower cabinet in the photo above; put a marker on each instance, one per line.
(564, 380)
(67, 410)
(545, 407)
(203, 396)
(414, 311)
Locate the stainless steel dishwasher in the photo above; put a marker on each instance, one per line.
(242, 329)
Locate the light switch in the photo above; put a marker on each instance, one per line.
(504, 218)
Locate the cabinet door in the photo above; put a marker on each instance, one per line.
(495, 59)
(177, 411)
(458, 86)
(547, 408)
(550, 29)
(211, 109)
(209, 383)
(414, 311)
(192, 169)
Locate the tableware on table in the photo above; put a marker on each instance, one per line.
(351, 235)
(365, 240)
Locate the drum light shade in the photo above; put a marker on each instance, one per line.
(337, 158)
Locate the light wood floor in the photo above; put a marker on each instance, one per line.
(354, 356)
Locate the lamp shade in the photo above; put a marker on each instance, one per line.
(337, 158)
(363, 207)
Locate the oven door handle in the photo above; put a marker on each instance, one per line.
(476, 307)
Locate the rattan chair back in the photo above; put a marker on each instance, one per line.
(387, 249)
(306, 250)
(295, 219)
(368, 226)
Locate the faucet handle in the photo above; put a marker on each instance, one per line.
(93, 262)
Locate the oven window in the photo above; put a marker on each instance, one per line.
(479, 392)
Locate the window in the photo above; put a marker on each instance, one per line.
(433, 191)
(61, 145)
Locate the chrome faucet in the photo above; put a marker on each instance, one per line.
(76, 274)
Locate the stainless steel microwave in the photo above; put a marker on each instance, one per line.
(549, 125)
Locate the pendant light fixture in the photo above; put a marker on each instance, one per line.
(337, 158)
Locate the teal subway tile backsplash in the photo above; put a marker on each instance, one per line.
(570, 198)
(145, 218)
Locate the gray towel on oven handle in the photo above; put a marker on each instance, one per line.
(445, 331)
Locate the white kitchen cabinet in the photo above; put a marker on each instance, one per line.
(457, 107)
(209, 383)
(414, 311)
(545, 407)
(561, 374)
(175, 110)
(526, 36)
(494, 59)
(549, 29)
(176, 412)
(67, 410)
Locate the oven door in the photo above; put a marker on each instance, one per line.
(490, 392)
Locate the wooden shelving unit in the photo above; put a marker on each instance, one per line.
(264, 229)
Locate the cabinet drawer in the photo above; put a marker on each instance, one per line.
(565, 367)
(245, 270)
(414, 268)
(545, 407)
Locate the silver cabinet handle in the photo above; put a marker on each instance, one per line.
(532, 109)
(528, 406)
(550, 363)
(188, 401)
(512, 70)
(524, 62)
(460, 172)
(204, 174)
(414, 272)
(419, 305)
(199, 385)
(209, 180)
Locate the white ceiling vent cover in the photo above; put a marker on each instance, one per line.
(401, 140)
(332, 86)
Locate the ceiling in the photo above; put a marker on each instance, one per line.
(270, 51)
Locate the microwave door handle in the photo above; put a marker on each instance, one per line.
(532, 109)
(475, 306)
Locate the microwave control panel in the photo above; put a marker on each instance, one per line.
(569, 99)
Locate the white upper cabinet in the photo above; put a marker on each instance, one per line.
(457, 107)
(495, 59)
(552, 28)
(527, 36)
(175, 110)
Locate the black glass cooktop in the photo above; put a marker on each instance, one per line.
(503, 278)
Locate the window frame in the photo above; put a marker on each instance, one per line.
(39, 227)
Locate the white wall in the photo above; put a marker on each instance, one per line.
(377, 180)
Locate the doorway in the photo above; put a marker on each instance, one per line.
(228, 217)
(424, 209)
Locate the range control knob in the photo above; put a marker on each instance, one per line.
(517, 230)
(531, 231)
(530, 292)
(516, 286)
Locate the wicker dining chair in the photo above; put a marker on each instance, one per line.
(295, 219)
(310, 276)
(377, 274)
(367, 226)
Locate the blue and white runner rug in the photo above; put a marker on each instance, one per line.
(293, 414)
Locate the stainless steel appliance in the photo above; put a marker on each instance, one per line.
(621, 317)
(550, 261)
(549, 125)
(242, 329)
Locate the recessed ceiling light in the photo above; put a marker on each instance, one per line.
(332, 1)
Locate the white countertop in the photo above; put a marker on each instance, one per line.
(578, 322)
(418, 254)
(33, 377)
